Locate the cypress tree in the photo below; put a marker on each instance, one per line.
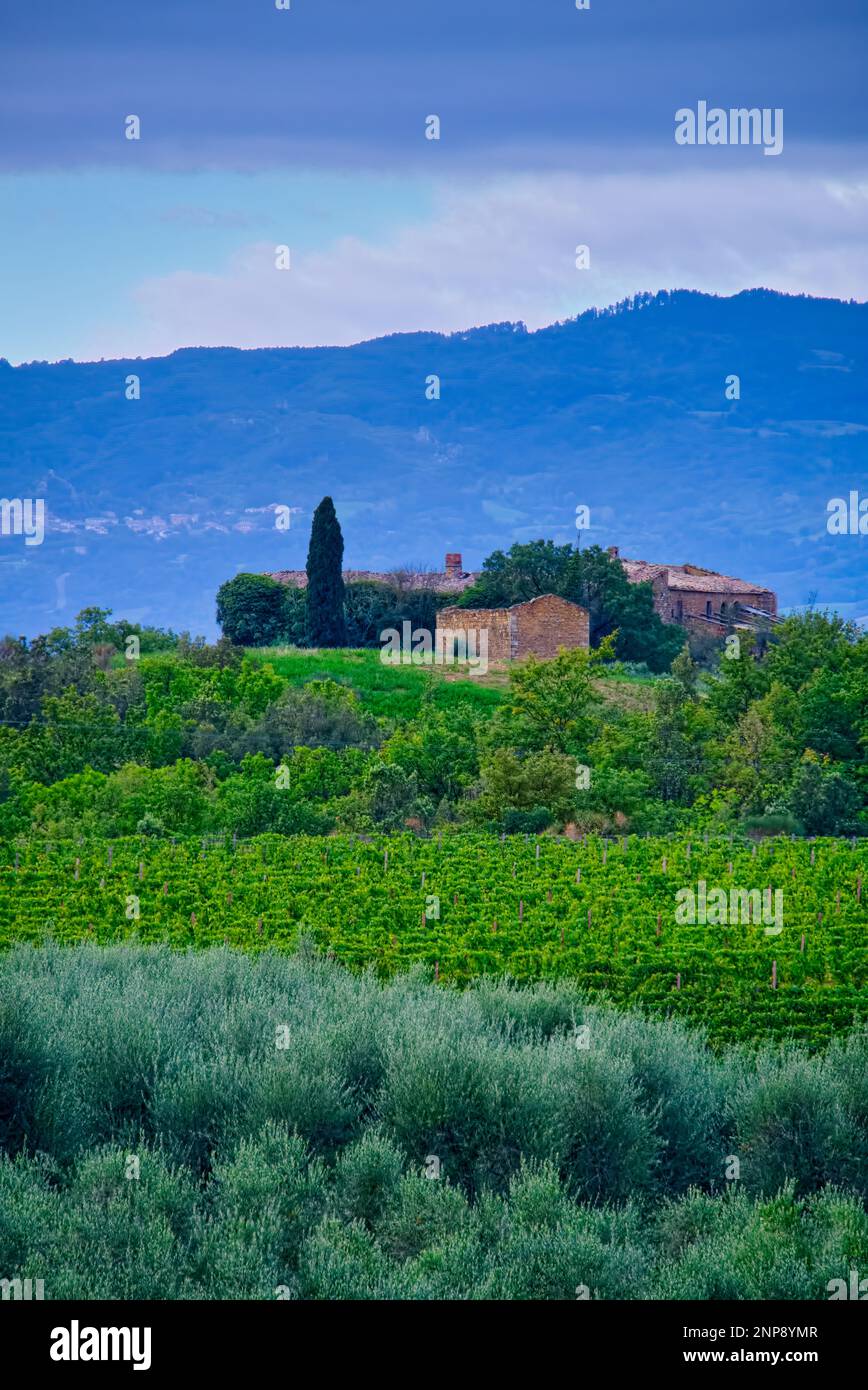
(326, 626)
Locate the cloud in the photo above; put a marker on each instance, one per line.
(342, 84)
(506, 250)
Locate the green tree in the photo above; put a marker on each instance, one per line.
(294, 616)
(326, 624)
(251, 610)
(591, 578)
(806, 642)
(822, 797)
(390, 795)
(523, 572)
(741, 679)
(541, 783)
(554, 697)
(439, 748)
(678, 759)
(597, 581)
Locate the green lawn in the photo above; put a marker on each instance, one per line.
(397, 692)
(394, 691)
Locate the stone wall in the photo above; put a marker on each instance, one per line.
(549, 622)
(539, 626)
(495, 620)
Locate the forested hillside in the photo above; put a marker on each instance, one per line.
(625, 411)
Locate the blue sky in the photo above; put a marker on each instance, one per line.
(306, 127)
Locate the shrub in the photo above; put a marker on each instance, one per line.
(250, 610)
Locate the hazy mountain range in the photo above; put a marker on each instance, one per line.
(151, 503)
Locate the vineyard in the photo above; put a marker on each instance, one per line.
(600, 912)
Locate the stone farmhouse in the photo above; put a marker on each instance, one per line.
(687, 594)
(699, 598)
(538, 627)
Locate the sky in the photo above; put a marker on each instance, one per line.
(306, 127)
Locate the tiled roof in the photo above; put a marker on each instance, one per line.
(510, 608)
(439, 582)
(690, 578)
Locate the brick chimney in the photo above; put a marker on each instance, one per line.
(613, 551)
(453, 563)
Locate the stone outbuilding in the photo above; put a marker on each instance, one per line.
(538, 627)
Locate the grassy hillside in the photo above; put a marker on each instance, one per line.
(393, 692)
(397, 692)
